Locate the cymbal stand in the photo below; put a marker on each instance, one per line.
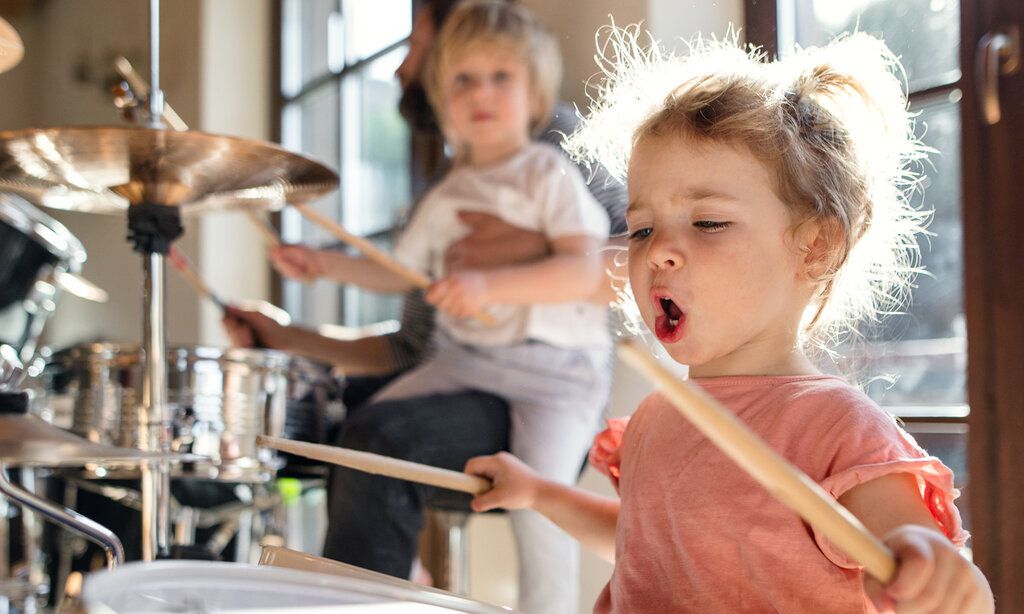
(68, 519)
(17, 402)
(152, 228)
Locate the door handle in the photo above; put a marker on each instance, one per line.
(998, 55)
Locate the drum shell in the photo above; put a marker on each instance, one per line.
(219, 401)
(34, 249)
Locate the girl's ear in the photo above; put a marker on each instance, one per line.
(818, 242)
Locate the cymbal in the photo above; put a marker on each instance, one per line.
(105, 169)
(28, 440)
(11, 47)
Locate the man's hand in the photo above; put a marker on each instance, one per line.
(249, 329)
(297, 262)
(491, 243)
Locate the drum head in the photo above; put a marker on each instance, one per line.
(191, 586)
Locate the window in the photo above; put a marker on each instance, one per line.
(924, 349)
(339, 104)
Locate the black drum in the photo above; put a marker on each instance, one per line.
(34, 250)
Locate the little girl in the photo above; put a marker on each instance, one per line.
(492, 78)
(766, 211)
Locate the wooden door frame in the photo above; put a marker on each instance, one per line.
(993, 226)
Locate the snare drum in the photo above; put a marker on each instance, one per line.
(34, 249)
(220, 401)
(188, 586)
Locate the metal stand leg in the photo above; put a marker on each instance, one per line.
(68, 519)
(449, 550)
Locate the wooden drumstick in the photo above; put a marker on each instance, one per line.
(268, 232)
(375, 254)
(785, 482)
(380, 465)
(183, 266)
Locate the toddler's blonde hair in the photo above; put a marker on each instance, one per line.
(830, 124)
(476, 25)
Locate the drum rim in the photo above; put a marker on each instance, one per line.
(135, 573)
(56, 238)
(110, 351)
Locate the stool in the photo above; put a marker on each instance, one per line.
(446, 546)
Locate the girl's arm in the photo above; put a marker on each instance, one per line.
(932, 575)
(572, 272)
(587, 517)
(304, 263)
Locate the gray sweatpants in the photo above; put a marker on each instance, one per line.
(556, 397)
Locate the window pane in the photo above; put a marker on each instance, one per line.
(363, 307)
(924, 34)
(376, 148)
(374, 25)
(311, 125)
(926, 347)
(307, 41)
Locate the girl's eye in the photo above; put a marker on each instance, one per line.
(640, 233)
(501, 76)
(462, 80)
(711, 225)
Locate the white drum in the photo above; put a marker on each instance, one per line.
(193, 586)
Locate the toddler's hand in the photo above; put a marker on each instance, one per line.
(296, 262)
(515, 484)
(932, 577)
(462, 294)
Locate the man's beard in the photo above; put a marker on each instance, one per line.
(415, 109)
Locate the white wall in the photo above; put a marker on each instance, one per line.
(69, 45)
(236, 92)
(215, 72)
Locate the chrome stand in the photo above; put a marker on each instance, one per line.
(153, 231)
(66, 518)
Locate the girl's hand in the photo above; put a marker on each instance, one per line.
(932, 577)
(462, 294)
(515, 484)
(297, 262)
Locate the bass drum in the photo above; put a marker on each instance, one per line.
(220, 401)
(35, 250)
(186, 586)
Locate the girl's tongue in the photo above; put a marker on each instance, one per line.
(669, 326)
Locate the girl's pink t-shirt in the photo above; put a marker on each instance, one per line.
(696, 534)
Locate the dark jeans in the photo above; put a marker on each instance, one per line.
(374, 521)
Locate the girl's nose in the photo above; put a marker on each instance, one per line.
(665, 254)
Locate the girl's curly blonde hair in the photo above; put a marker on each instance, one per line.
(831, 125)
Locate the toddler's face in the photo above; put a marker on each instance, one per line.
(712, 262)
(487, 99)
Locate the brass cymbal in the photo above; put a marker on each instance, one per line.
(105, 169)
(28, 440)
(11, 47)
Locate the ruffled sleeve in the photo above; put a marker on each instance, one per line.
(887, 450)
(605, 454)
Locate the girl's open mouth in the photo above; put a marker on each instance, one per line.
(668, 326)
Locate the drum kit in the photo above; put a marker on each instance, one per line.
(145, 411)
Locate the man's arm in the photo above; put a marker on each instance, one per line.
(572, 273)
(366, 356)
